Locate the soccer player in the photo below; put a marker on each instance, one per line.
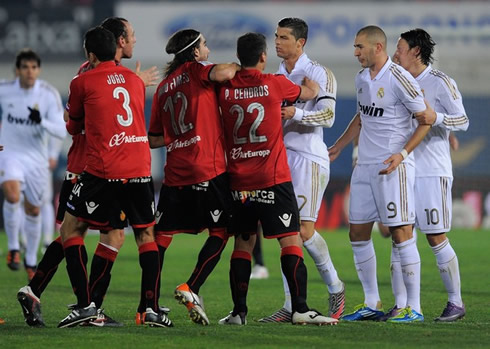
(110, 241)
(308, 155)
(31, 112)
(116, 182)
(195, 192)
(382, 183)
(433, 168)
(260, 179)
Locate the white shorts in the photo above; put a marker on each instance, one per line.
(309, 181)
(434, 204)
(32, 178)
(385, 198)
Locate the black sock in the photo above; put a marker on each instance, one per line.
(207, 260)
(240, 269)
(76, 265)
(148, 257)
(47, 267)
(257, 252)
(294, 270)
(100, 273)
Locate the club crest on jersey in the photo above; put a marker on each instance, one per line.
(381, 92)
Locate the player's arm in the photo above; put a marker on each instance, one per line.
(453, 116)
(150, 76)
(53, 120)
(155, 141)
(223, 72)
(155, 131)
(74, 126)
(351, 132)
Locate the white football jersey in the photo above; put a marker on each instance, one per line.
(432, 155)
(304, 132)
(386, 104)
(20, 136)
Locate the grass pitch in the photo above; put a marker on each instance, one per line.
(265, 296)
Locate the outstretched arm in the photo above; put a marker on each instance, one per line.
(351, 132)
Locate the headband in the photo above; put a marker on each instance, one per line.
(192, 43)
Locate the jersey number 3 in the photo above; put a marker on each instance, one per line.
(118, 91)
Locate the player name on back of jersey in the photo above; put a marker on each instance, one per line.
(248, 92)
(115, 78)
(176, 82)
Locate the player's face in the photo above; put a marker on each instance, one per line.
(286, 44)
(28, 72)
(364, 50)
(404, 55)
(129, 41)
(203, 50)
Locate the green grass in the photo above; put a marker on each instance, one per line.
(265, 296)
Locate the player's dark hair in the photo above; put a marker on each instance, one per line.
(298, 27)
(101, 43)
(117, 26)
(422, 39)
(26, 54)
(182, 44)
(373, 31)
(249, 48)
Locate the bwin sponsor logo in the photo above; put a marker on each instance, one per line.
(369, 110)
(19, 121)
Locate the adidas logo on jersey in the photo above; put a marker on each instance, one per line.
(91, 206)
(286, 219)
(215, 215)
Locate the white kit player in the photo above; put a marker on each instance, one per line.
(382, 184)
(31, 111)
(433, 167)
(308, 155)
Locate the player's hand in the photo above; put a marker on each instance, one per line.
(35, 115)
(313, 85)
(1, 147)
(53, 163)
(393, 161)
(426, 117)
(333, 152)
(288, 112)
(150, 76)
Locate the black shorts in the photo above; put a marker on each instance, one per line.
(108, 203)
(275, 207)
(193, 208)
(66, 188)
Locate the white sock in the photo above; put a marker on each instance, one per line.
(32, 228)
(287, 294)
(47, 222)
(397, 283)
(318, 250)
(12, 222)
(447, 261)
(365, 261)
(410, 262)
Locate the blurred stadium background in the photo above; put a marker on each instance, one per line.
(55, 28)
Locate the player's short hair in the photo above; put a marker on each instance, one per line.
(182, 44)
(422, 39)
(101, 43)
(249, 48)
(374, 33)
(27, 54)
(117, 26)
(298, 27)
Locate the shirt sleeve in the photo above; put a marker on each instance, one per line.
(53, 121)
(289, 90)
(453, 115)
(323, 113)
(407, 89)
(156, 126)
(74, 106)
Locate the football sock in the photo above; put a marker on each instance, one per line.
(47, 222)
(365, 261)
(397, 283)
(294, 269)
(76, 265)
(207, 260)
(150, 275)
(447, 262)
(47, 267)
(163, 242)
(100, 272)
(410, 263)
(32, 228)
(257, 251)
(240, 269)
(12, 221)
(318, 250)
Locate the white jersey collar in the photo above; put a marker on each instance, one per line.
(424, 73)
(383, 70)
(300, 63)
